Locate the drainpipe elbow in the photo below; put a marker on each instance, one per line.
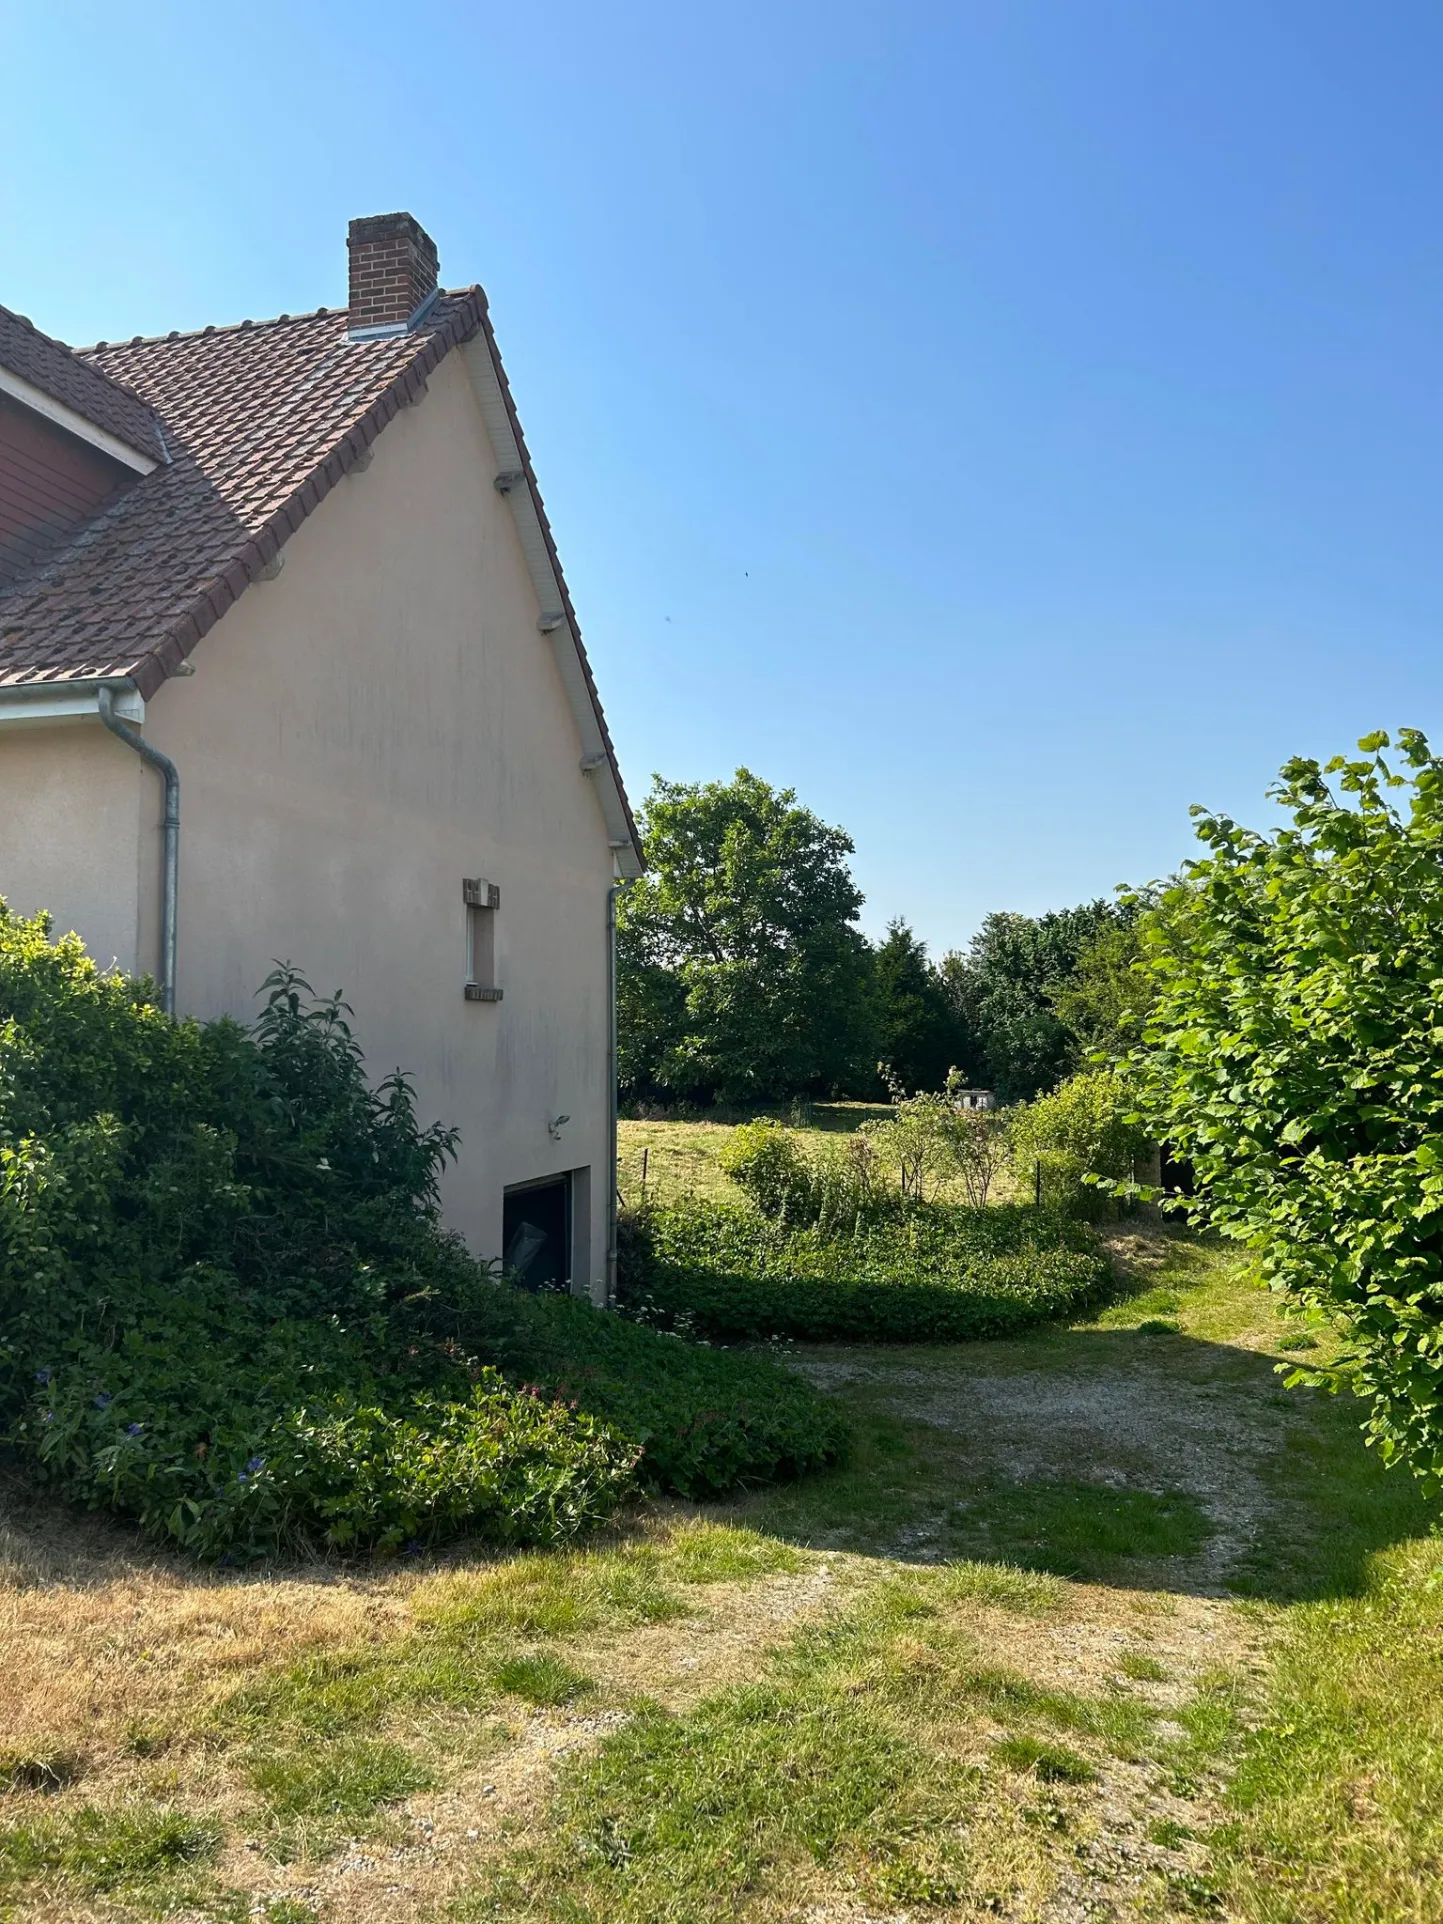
(170, 826)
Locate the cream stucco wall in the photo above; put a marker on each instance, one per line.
(360, 734)
(75, 808)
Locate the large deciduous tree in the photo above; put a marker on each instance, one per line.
(1005, 991)
(1295, 1056)
(742, 976)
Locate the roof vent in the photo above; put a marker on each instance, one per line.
(394, 276)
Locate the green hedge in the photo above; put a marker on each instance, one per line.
(928, 1273)
(227, 1308)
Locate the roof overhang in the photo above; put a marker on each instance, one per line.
(557, 625)
(39, 402)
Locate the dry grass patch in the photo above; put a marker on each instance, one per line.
(99, 1644)
(443, 1843)
(310, 1719)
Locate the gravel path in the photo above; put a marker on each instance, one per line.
(1127, 1411)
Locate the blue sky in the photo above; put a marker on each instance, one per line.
(1006, 423)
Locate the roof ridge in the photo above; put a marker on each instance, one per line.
(247, 326)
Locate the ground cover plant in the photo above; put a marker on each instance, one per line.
(843, 1236)
(860, 1236)
(228, 1311)
(703, 1420)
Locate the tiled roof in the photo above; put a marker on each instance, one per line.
(68, 378)
(261, 421)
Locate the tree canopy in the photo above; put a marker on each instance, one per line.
(919, 1036)
(1005, 991)
(741, 973)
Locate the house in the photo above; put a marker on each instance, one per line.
(289, 670)
(973, 1099)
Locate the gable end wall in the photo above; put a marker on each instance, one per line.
(363, 733)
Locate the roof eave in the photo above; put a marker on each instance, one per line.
(516, 480)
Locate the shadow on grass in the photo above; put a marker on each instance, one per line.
(1139, 1458)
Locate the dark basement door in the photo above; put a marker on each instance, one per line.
(536, 1233)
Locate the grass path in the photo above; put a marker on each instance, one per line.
(1103, 1623)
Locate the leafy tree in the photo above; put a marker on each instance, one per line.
(742, 976)
(1295, 1055)
(1107, 999)
(1004, 993)
(919, 1037)
(651, 1014)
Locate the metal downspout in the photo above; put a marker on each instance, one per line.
(170, 866)
(611, 1066)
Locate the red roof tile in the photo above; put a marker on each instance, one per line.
(67, 377)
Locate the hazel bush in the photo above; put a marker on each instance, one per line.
(1294, 1057)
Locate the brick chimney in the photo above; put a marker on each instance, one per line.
(394, 273)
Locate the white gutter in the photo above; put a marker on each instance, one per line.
(39, 402)
(32, 702)
(170, 828)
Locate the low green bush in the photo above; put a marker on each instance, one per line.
(1079, 1144)
(235, 1441)
(924, 1273)
(766, 1161)
(227, 1308)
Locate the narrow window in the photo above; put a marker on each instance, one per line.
(482, 900)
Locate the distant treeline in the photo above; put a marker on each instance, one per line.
(743, 977)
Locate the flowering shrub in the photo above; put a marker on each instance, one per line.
(705, 1419)
(278, 1463)
(228, 1311)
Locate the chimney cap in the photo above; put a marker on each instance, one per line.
(370, 227)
